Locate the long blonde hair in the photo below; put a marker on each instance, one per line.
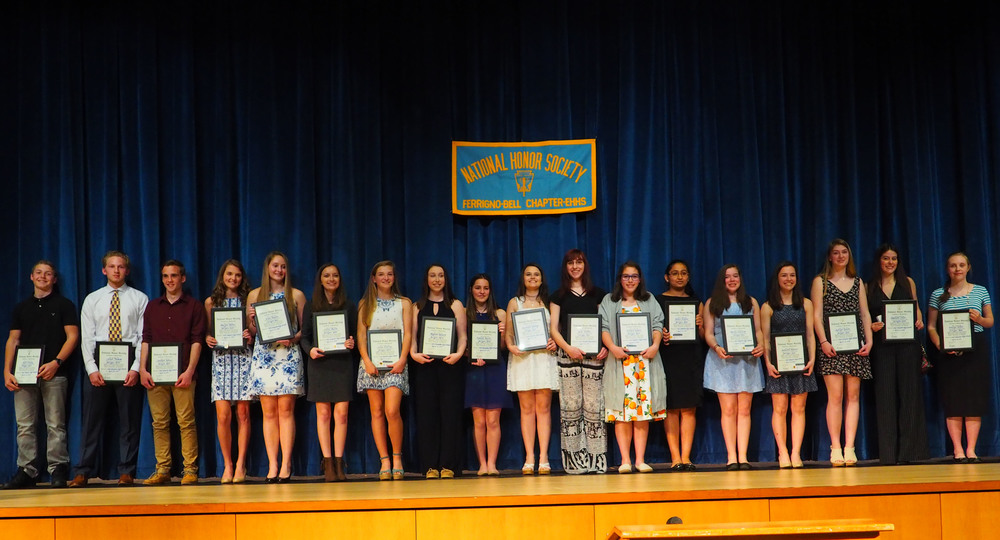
(370, 299)
(851, 271)
(265, 285)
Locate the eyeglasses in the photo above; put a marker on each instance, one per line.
(630, 277)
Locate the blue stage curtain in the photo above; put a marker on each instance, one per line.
(743, 132)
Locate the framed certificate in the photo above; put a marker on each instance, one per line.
(330, 331)
(227, 327)
(842, 331)
(484, 341)
(273, 323)
(27, 362)
(739, 337)
(956, 330)
(789, 353)
(584, 332)
(437, 336)
(165, 362)
(635, 331)
(113, 360)
(531, 329)
(900, 320)
(384, 348)
(680, 319)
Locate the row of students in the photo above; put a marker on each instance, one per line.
(627, 388)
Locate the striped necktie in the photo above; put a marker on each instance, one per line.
(115, 321)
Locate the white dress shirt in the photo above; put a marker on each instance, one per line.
(95, 318)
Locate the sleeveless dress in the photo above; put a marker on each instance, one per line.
(684, 365)
(533, 370)
(789, 319)
(231, 369)
(388, 315)
(486, 386)
(276, 370)
(837, 301)
(736, 374)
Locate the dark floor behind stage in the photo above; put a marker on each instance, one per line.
(921, 501)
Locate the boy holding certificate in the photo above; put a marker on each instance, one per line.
(46, 323)
(111, 314)
(176, 318)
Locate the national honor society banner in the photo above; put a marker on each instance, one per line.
(504, 179)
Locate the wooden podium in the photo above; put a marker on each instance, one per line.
(831, 529)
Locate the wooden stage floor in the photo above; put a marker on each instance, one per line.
(925, 499)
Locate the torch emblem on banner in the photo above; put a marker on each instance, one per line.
(523, 180)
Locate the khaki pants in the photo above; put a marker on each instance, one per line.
(159, 407)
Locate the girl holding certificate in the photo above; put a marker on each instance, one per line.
(838, 289)
(486, 384)
(899, 396)
(385, 308)
(439, 382)
(684, 365)
(230, 373)
(331, 372)
(581, 393)
(786, 311)
(277, 373)
(532, 374)
(963, 377)
(733, 377)
(635, 389)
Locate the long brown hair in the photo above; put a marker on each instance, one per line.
(720, 296)
(447, 293)
(618, 292)
(370, 299)
(491, 301)
(899, 274)
(543, 288)
(265, 285)
(319, 303)
(566, 282)
(220, 289)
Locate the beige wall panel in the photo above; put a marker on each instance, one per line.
(916, 517)
(177, 527)
(970, 515)
(548, 522)
(389, 525)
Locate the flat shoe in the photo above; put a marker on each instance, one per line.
(624, 469)
(744, 466)
(732, 466)
(796, 464)
(679, 467)
(643, 467)
(689, 467)
(975, 460)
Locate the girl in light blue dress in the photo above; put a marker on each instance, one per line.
(734, 378)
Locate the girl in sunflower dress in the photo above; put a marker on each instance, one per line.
(635, 389)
